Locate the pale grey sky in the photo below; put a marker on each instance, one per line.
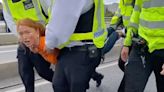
(105, 1)
(110, 1)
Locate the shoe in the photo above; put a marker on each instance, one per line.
(99, 79)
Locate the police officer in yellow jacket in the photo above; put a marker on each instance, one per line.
(123, 13)
(122, 18)
(147, 53)
(15, 10)
(80, 33)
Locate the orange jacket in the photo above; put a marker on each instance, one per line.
(49, 57)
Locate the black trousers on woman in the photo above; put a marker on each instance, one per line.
(27, 61)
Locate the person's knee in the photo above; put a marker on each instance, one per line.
(22, 49)
(22, 56)
(46, 75)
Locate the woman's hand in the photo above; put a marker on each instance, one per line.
(124, 53)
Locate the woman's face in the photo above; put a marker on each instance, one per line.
(28, 35)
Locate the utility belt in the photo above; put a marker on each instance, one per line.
(77, 48)
(92, 50)
(141, 44)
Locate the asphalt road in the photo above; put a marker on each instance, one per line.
(110, 82)
(12, 83)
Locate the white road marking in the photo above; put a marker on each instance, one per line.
(46, 82)
(107, 65)
(8, 61)
(22, 88)
(7, 51)
(8, 46)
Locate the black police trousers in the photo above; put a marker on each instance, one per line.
(74, 68)
(121, 65)
(27, 61)
(138, 69)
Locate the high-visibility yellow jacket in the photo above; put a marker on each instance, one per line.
(25, 9)
(98, 33)
(148, 18)
(123, 13)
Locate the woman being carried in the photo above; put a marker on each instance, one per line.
(32, 35)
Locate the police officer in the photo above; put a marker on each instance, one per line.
(147, 53)
(36, 10)
(80, 33)
(120, 19)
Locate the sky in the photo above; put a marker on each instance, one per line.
(105, 1)
(110, 1)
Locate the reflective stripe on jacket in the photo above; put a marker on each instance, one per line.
(98, 33)
(123, 13)
(150, 23)
(134, 22)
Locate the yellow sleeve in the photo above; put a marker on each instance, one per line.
(134, 23)
(117, 17)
